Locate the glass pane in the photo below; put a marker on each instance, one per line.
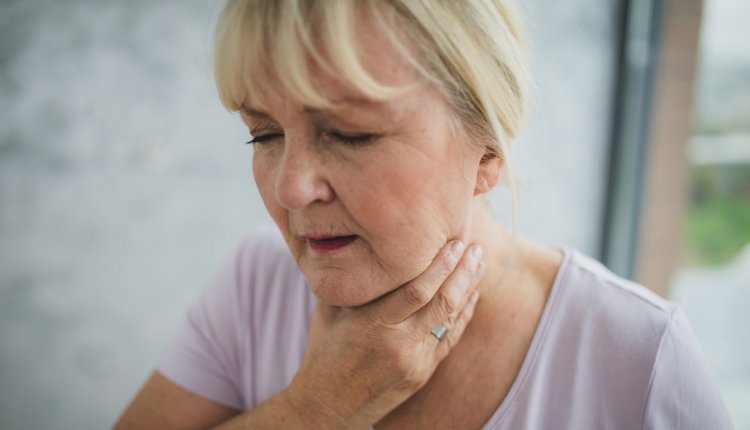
(713, 285)
(562, 164)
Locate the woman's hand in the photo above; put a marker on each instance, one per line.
(362, 362)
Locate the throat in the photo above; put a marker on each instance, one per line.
(473, 381)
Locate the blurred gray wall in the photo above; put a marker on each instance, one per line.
(123, 183)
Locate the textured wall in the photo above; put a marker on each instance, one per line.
(123, 184)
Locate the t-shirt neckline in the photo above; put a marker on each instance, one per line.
(536, 342)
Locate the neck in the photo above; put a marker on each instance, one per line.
(483, 365)
(503, 264)
(515, 281)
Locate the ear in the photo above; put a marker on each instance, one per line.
(488, 175)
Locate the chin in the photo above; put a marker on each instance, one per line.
(339, 290)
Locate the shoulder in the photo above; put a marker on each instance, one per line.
(263, 254)
(682, 392)
(622, 321)
(627, 310)
(598, 339)
(269, 282)
(228, 349)
(276, 305)
(629, 349)
(258, 270)
(596, 279)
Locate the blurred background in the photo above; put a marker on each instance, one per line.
(124, 184)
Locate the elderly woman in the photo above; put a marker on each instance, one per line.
(391, 298)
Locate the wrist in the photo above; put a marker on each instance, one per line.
(315, 412)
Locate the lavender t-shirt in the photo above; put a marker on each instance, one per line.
(607, 354)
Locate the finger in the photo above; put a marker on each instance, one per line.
(453, 294)
(401, 303)
(457, 328)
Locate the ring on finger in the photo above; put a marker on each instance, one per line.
(439, 332)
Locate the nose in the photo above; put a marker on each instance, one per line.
(301, 177)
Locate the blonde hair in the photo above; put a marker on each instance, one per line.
(472, 50)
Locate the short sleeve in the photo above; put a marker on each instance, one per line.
(682, 393)
(203, 356)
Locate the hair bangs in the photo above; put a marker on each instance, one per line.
(282, 43)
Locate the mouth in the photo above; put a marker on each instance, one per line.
(327, 244)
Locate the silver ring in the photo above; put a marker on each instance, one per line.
(439, 332)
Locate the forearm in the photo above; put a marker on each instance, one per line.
(280, 412)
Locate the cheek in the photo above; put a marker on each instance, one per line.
(264, 174)
(408, 209)
(412, 188)
(263, 180)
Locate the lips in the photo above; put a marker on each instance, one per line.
(327, 244)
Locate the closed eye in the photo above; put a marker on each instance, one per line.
(263, 138)
(350, 139)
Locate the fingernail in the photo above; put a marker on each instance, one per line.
(476, 253)
(481, 269)
(474, 297)
(457, 247)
